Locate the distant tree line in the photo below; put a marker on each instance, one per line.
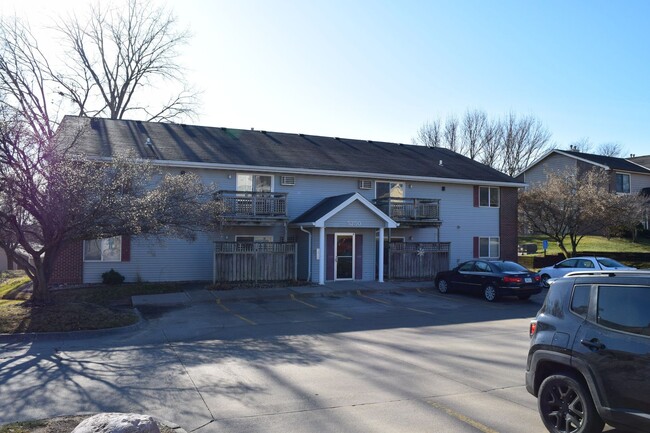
(508, 144)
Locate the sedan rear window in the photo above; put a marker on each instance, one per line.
(610, 263)
(509, 267)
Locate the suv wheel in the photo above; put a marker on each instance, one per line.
(566, 406)
(490, 293)
(443, 287)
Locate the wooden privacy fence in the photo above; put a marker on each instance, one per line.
(416, 259)
(255, 261)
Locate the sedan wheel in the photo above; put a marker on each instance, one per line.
(545, 278)
(565, 406)
(443, 287)
(490, 293)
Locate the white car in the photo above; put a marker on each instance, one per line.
(580, 264)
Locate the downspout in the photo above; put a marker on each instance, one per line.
(308, 254)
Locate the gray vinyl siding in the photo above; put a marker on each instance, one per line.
(354, 216)
(166, 259)
(553, 164)
(179, 260)
(638, 182)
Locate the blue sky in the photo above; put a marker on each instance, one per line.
(380, 69)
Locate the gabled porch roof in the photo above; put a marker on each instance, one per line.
(318, 215)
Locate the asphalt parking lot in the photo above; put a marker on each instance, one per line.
(392, 361)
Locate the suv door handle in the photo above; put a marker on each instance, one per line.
(593, 344)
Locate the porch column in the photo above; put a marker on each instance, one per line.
(381, 255)
(321, 257)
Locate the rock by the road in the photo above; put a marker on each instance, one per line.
(118, 423)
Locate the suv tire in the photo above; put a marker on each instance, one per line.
(565, 406)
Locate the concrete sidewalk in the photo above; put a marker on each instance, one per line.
(199, 295)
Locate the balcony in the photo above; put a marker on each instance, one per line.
(253, 208)
(411, 212)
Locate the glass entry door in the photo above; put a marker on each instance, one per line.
(344, 259)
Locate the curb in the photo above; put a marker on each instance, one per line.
(45, 336)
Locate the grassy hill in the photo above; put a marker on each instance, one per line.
(593, 243)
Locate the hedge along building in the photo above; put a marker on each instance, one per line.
(302, 206)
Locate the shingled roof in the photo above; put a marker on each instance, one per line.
(611, 162)
(179, 143)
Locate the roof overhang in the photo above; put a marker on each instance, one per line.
(356, 197)
(334, 173)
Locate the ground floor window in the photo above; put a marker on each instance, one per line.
(489, 247)
(103, 250)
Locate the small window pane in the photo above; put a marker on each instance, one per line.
(625, 308)
(92, 250)
(263, 183)
(484, 247)
(494, 197)
(580, 301)
(494, 247)
(623, 183)
(484, 196)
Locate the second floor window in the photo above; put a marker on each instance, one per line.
(254, 182)
(488, 196)
(389, 189)
(623, 183)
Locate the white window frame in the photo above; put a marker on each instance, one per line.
(490, 190)
(491, 254)
(253, 175)
(390, 188)
(629, 183)
(104, 245)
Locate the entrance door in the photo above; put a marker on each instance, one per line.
(344, 259)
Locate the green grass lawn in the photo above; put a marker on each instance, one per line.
(592, 243)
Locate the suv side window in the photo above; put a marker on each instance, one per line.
(580, 300)
(624, 308)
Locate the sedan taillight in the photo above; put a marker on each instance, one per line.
(512, 279)
(532, 328)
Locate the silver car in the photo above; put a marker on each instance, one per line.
(580, 264)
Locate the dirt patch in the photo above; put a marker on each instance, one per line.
(61, 424)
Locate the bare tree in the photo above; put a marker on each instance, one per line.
(473, 130)
(584, 145)
(571, 207)
(610, 149)
(524, 140)
(115, 52)
(429, 134)
(50, 197)
(450, 134)
(508, 145)
(492, 144)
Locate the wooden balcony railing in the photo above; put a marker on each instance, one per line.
(417, 211)
(253, 205)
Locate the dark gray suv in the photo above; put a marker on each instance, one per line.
(589, 357)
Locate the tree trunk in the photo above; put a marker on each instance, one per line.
(562, 248)
(40, 282)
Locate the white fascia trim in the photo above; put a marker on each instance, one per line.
(389, 221)
(276, 170)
